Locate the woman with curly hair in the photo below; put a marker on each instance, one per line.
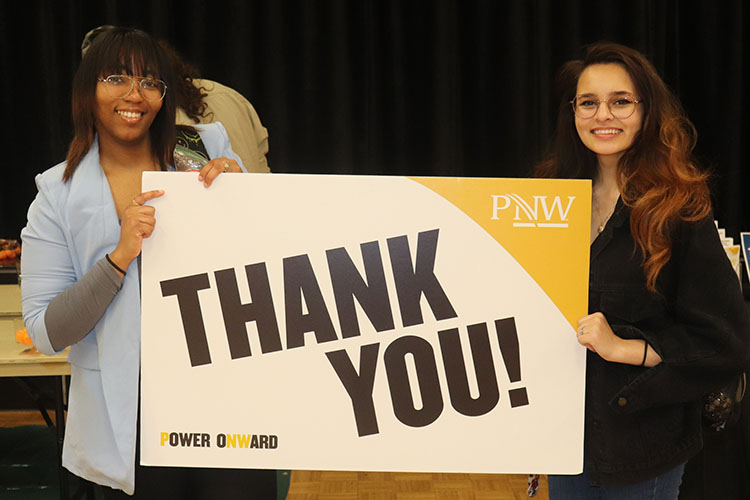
(205, 101)
(667, 322)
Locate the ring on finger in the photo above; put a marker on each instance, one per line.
(226, 167)
(580, 331)
(136, 203)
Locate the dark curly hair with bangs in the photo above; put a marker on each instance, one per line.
(121, 51)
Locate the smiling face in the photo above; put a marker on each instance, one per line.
(124, 120)
(604, 134)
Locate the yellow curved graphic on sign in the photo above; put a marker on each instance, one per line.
(543, 223)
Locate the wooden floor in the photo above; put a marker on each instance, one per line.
(317, 485)
(327, 485)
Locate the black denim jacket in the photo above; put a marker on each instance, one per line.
(641, 422)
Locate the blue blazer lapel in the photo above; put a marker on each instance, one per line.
(91, 212)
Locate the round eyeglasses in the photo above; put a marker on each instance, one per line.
(621, 106)
(122, 85)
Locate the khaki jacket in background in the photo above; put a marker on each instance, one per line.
(248, 136)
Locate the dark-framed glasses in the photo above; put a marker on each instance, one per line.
(122, 85)
(621, 105)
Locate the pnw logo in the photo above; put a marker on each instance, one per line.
(543, 211)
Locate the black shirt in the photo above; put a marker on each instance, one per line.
(641, 422)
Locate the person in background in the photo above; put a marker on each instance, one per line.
(80, 282)
(667, 320)
(205, 101)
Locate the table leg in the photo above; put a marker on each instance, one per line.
(60, 431)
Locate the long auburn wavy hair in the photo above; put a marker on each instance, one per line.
(121, 51)
(658, 179)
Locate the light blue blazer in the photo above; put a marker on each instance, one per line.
(71, 226)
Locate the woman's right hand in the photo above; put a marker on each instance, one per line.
(138, 222)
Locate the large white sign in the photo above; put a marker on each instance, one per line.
(365, 323)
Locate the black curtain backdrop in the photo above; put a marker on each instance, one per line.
(394, 87)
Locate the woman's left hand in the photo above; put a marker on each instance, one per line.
(596, 335)
(217, 166)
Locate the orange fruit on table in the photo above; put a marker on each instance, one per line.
(22, 337)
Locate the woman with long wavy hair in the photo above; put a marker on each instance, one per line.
(667, 322)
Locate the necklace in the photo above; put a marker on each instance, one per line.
(604, 196)
(603, 219)
(604, 222)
